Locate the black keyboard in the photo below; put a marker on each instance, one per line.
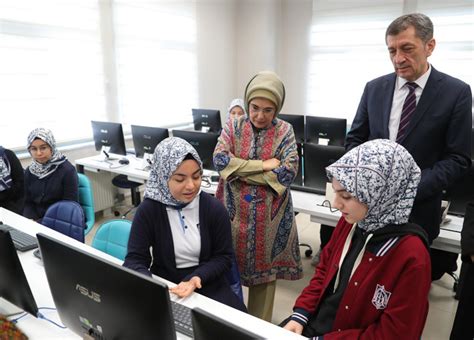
(182, 319)
(21, 240)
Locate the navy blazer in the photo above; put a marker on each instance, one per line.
(151, 228)
(438, 137)
(40, 194)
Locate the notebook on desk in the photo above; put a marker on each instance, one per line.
(90, 302)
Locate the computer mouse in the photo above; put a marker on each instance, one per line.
(124, 161)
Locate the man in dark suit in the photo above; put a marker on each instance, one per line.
(426, 111)
(463, 327)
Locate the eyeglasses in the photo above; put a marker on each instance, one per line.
(267, 111)
(42, 148)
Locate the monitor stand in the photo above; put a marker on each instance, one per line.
(147, 161)
(105, 155)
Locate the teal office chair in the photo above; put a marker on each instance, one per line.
(86, 200)
(112, 238)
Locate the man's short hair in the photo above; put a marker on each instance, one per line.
(422, 24)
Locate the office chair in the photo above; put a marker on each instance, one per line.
(121, 181)
(66, 217)
(86, 200)
(112, 238)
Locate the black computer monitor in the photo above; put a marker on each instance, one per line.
(298, 125)
(332, 129)
(472, 144)
(316, 159)
(207, 119)
(208, 326)
(299, 176)
(460, 193)
(14, 286)
(145, 139)
(204, 143)
(89, 300)
(109, 137)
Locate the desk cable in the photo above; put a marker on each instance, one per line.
(327, 204)
(39, 316)
(206, 182)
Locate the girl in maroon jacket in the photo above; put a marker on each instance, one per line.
(374, 276)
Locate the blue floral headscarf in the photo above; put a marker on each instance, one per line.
(57, 158)
(168, 156)
(383, 175)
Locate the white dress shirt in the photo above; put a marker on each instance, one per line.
(186, 234)
(399, 95)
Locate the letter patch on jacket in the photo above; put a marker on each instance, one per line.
(381, 297)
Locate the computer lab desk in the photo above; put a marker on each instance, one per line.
(449, 238)
(42, 329)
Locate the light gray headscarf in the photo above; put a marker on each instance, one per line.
(236, 102)
(168, 156)
(57, 158)
(383, 175)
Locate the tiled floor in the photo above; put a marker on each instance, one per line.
(442, 304)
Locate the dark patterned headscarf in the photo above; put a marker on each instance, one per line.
(5, 175)
(168, 156)
(57, 158)
(383, 175)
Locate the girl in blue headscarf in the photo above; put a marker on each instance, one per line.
(188, 230)
(374, 275)
(49, 178)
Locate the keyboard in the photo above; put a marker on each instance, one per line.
(21, 240)
(182, 319)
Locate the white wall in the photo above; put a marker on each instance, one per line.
(216, 53)
(238, 38)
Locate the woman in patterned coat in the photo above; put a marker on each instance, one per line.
(257, 159)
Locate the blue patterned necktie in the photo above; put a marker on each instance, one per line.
(409, 107)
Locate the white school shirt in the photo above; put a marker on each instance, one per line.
(399, 95)
(184, 225)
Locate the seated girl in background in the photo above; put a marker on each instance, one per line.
(49, 178)
(12, 186)
(374, 275)
(188, 230)
(236, 108)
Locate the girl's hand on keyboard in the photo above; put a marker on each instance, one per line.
(185, 288)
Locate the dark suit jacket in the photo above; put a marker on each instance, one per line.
(463, 327)
(438, 137)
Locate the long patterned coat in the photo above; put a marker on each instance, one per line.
(259, 203)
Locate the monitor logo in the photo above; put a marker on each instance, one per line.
(104, 131)
(146, 137)
(194, 143)
(204, 116)
(89, 293)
